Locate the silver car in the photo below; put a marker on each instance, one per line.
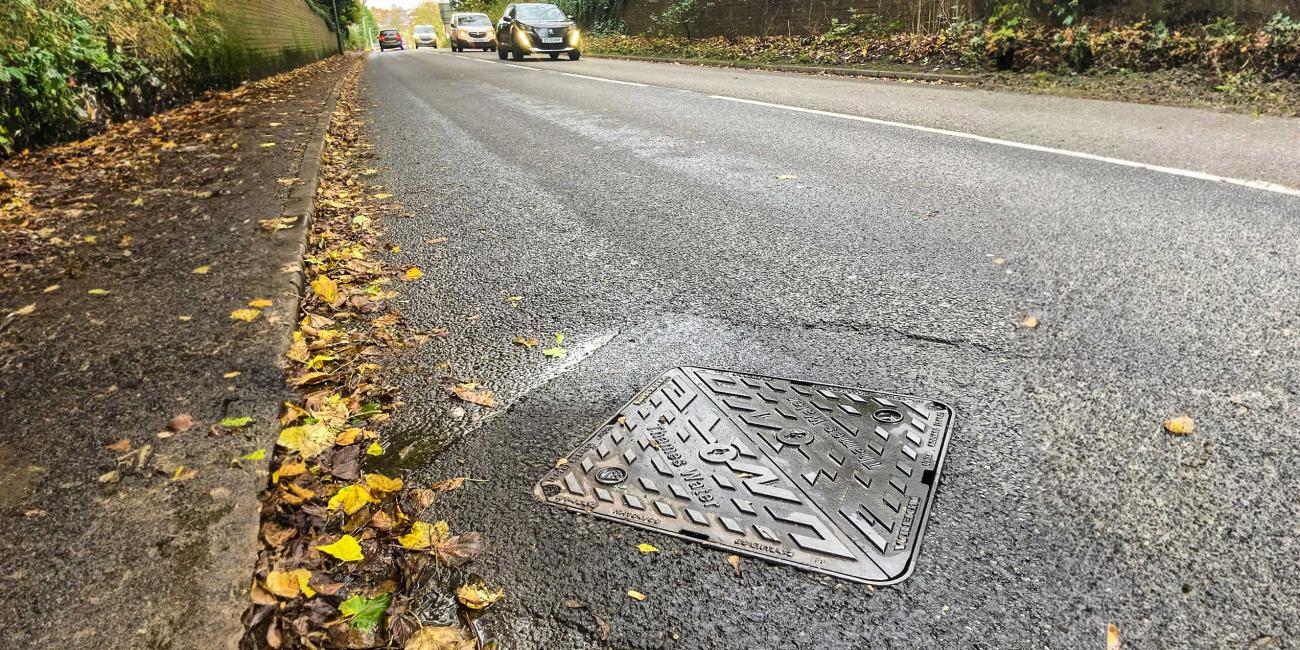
(425, 36)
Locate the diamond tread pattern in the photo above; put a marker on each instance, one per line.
(827, 478)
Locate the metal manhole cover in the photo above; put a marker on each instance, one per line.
(828, 478)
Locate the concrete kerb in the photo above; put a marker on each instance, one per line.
(806, 69)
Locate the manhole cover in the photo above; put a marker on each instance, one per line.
(828, 478)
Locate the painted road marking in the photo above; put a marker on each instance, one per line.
(1173, 171)
(612, 81)
(523, 67)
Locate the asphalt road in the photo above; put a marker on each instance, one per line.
(656, 225)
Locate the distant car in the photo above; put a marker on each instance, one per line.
(425, 36)
(471, 31)
(537, 28)
(390, 39)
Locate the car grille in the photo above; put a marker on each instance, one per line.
(477, 34)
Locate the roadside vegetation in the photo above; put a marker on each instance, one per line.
(1222, 62)
(68, 67)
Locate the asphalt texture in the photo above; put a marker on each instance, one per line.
(656, 226)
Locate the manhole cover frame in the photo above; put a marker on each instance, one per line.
(918, 522)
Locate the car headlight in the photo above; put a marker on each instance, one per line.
(574, 36)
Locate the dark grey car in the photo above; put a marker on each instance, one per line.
(537, 28)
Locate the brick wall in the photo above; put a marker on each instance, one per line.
(797, 17)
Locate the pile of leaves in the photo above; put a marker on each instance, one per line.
(1218, 50)
(347, 558)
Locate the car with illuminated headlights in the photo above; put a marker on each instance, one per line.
(469, 30)
(537, 28)
(425, 36)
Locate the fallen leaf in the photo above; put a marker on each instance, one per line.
(470, 392)
(573, 603)
(413, 273)
(266, 145)
(424, 535)
(308, 440)
(786, 177)
(121, 446)
(246, 315)
(554, 352)
(448, 485)
(1112, 637)
(364, 613)
(259, 454)
(282, 583)
(23, 311)
(231, 375)
(561, 462)
(734, 561)
(559, 338)
(458, 549)
(99, 292)
(235, 423)
(182, 474)
(347, 436)
(1030, 322)
(287, 470)
(109, 477)
(378, 483)
(180, 423)
(375, 449)
(635, 595)
(476, 595)
(346, 549)
(326, 288)
(1180, 426)
(530, 342)
(439, 638)
(260, 303)
(514, 299)
(50, 289)
(382, 195)
(351, 499)
(647, 548)
(202, 270)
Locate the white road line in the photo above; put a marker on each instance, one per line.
(1173, 171)
(478, 60)
(612, 81)
(523, 67)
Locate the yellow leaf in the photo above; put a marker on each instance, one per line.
(635, 595)
(304, 576)
(24, 311)
(283, 584)
(424, 535)
(182, 474)
(259, 454)
(647, 548)
(99, 292)
(231, 375)
(1030, 322)
(382, 195)
(346, 549)
(202, 269)
(476, 595)
(308, 440)
(413, 273)
(288, 469)
(347, 437)
(246, 315)
(260, 303)
(351, 499)
(375, 449)
(266, 145)
(51, 289)
(326, 288)
(1112, 637)
(1180, 426)
(319, 361)
(379, 483)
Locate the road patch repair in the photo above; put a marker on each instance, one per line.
(826, 478)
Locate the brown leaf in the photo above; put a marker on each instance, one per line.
(121, 446)
(1180, 426)
(470, 392)
(439, 638)
(260, 596)
(448, 485)
(734, 561)
(574, 604)
(180, 423)
(459, 549)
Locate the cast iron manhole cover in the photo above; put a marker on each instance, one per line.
(828, 478)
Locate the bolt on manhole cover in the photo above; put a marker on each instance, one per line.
(828, 478)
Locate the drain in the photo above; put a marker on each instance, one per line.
(826, 478)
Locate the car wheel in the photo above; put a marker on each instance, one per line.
(516, 54)
(575, 55)
(502, 54)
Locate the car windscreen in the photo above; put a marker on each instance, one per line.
(539, 12)
(424, 29)
(388, 32)
(473, 21)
